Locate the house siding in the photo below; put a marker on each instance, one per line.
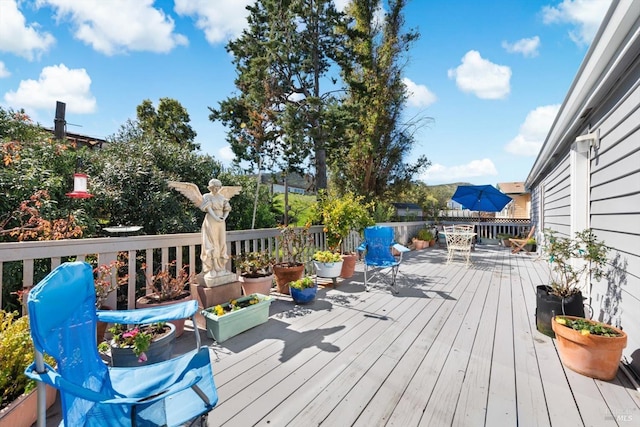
(604, 99)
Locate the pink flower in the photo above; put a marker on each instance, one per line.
(142, 358)
(130, 334)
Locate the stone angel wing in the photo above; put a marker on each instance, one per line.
(189, 190)
(229, 192)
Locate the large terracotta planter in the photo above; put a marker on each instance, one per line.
(160, 349)
(143, 302)
(592, 355)
(256, 285)
(348, 265)
(420, 244)
(23, 411)
(285, 275)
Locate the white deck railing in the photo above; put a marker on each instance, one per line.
(169, 247)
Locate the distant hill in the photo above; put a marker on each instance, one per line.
(446, 189)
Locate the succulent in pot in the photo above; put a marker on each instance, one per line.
(254, 264)
(327, 256)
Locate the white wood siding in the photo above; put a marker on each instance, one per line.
(557, 202)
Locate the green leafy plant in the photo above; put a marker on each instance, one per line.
(296, 245)
(504, 236)
(16, 353)
(305, 282)
(341, 215)
(254, 264)
(589, 252)
(327, 256)
(586, 327)
(136, 337)
(425, 234)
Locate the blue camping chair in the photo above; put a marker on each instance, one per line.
(62, 317)
(377, 247)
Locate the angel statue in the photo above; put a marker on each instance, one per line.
(214, 235)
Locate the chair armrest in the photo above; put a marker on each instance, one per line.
(180, 310)
(51, 377)
(400, 248)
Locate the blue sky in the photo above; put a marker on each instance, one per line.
(490, 74)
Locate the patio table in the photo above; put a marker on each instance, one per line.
(459, 241)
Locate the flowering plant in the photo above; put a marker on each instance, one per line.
(327, 256)
(296, 244)
(104, 282)
(137, 337)
(305, 282)
(234, 305)
(165, 286)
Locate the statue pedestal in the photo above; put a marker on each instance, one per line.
(209, 296)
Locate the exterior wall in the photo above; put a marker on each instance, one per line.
(615, 208)
(604, 101)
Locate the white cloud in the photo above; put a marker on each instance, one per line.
(119, 26)
(226, 154)
(533, 131)
(3, 71)
(527, 47)
(473, 169)
(481, 77)
(18, 37)
(218, 20)
(56, 83)
(585, 15)
(419, 95)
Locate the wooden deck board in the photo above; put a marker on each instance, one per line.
(457, 346)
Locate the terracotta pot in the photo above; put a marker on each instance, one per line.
(143, 302)
(23, 411)
(420, 244)
(285, 274)
(256, 285)
(591, 355)
(348, 265)
(101, 327)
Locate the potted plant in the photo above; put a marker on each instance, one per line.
(296, 245)
(328, 264)
(165, 288)
(504, 239)
(340, 215)
(303, 290)
(105, 282)
(588, 347)
(17, 392)
(134, 345)
(530, 246)
(424, 238)
(571, 261)
(229, 319)
(255, 272)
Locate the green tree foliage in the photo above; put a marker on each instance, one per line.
(369, 159)
(240, 217)
(170, 122)
(276, 122)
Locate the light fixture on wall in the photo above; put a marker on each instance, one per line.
(583, 143)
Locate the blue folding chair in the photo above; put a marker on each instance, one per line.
(62, 317)
(377, 247)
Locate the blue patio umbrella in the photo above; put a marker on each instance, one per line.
(481, 198)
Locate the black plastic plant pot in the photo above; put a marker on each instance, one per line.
(549, 305)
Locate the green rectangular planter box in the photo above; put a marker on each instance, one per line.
(230, 324)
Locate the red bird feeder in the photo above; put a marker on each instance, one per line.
(79, 187)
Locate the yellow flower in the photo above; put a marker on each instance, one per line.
(218, 310)
(561, 320)
(585, 332)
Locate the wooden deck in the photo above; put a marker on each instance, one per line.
(457, 346)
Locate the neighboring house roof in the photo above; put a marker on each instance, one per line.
(401, 205)
(512, 187)
(80, 139)
(613, 48)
